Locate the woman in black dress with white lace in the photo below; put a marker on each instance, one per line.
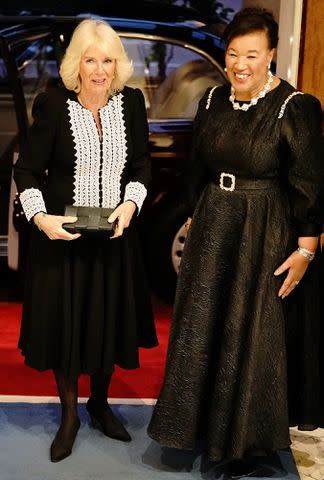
(87, 305)
(255, 184)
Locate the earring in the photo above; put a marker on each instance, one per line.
(225, 69)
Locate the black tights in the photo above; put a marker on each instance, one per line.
(68, 391)
(99, 384)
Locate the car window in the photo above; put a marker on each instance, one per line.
(8, 122)
(173, 78)
(38, 70)
(8, 141)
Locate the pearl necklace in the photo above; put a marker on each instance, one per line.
(254, 100)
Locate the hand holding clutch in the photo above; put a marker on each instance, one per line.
(90, 220)
(122, 217)
(52, 226)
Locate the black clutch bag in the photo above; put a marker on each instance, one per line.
(92, 220)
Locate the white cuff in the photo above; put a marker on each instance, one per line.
(32, 202)
(136, 192)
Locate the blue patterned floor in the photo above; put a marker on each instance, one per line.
(26, 431)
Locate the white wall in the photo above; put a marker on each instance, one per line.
(272, 5)
(289, 40)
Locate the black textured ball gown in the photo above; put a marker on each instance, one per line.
(226, 372)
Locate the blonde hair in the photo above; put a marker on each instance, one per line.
(97, 33)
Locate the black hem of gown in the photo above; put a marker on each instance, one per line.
(219, 458)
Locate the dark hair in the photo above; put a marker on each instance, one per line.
(251, 20)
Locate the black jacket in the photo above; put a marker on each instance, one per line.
(64, 162)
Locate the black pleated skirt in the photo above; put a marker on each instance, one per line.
(87, 304)
(226, 372)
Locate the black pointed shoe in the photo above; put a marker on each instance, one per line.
(237, 469)
(64, 439)
(103, 417)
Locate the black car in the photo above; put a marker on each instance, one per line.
(174, 62)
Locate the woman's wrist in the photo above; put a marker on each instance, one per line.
(132, 201)
(309, 243)
(307, 247)
(38, 219)
(308, 254)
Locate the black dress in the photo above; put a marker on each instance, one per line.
(226, 372)
(87, 304)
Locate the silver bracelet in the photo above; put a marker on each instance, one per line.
(39, 222)
(306, 253)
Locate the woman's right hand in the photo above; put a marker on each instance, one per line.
(187, 224)
(51, 225)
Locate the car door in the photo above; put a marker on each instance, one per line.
(27, 66)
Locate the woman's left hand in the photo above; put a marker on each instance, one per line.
(123, 214)
(296, 265)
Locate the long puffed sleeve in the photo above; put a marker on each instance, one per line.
(34, 157)
(303, 149)
(140, 165)
(197, 174)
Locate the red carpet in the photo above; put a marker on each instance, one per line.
(18, 379)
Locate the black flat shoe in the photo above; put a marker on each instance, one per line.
(103, 417)
(64, 440)
(240, 469)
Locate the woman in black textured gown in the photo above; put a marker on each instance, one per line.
(255, 184)
(87, 305)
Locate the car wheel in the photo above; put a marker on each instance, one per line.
(165, 245)
(177, 247)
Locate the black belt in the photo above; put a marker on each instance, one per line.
(230, 182)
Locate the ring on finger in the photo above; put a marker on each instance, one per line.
(296, 282)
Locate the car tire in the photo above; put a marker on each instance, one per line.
(166, 238)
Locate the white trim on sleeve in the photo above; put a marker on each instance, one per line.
(32, 202)
(136, 192)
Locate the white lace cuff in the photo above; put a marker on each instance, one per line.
(32, 202)
(136, 192)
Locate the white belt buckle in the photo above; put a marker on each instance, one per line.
(221, 181)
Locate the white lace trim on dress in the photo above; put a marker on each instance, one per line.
(209, 98)
(284, 105)
(114, 145)
(136, 192)
(87, 150)
(32, 202)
